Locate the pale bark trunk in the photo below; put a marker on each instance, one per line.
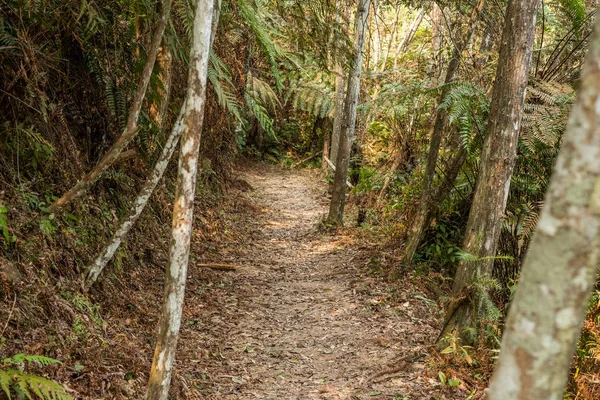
(392, 38)
(559, 273)
(376, 36)
(497, 160)
(338, 198)
(131, 126)
(409, 35)
(183, 209)
(424, 212)
(125, 225)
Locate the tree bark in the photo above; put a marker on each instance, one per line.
(340, 90)
(559, 273)
(426, 203)
(437, 40)
(170, 320)
(497, 161)
(131, 126)
(338, 198)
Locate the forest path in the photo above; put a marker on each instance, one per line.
(297, 322)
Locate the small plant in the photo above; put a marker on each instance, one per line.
(14, 381)
(6, 236)
(454, 348)
(452, 382)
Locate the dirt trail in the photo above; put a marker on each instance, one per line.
(295, 321)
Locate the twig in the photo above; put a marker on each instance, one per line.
(333, 168)
(306, 159)
(9, 316)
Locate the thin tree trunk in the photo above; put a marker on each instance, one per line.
(131, 126)
(497, 161)
(420, 224)
(338, 116)
(338, 198)
(165, 60)
(183, 210)
(409, 35)
(392, 37)
(437, 39)
(340, 91)
(559, 273)
(326, 143)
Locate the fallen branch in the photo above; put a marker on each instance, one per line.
(333, 168)
(220, 267)
(306, 159)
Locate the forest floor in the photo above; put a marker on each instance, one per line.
(304, 316)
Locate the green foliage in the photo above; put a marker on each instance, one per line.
(467, 108)
(6, 235)
(14, 380)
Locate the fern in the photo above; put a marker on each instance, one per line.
(28, 385)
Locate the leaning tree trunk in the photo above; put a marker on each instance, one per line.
(559, 273)
(183, 210)
(125, 225)
(94, 270)
(130, 127)
(338, 197)
(497, 162)
(426, 203)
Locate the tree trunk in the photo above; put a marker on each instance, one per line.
(338, 116)
(340, 89)
(497, 162)
(559, 273)
(421, 222)
(183, 209)
(131, 126)
(437, 40)
(326, 144)
(338, 198)
(409, 35)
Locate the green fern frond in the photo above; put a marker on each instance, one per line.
(41, 387)
(6, 377)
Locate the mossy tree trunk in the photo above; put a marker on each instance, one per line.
(338, 198)
(498, 158)
(560, 269)
(183, 209)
